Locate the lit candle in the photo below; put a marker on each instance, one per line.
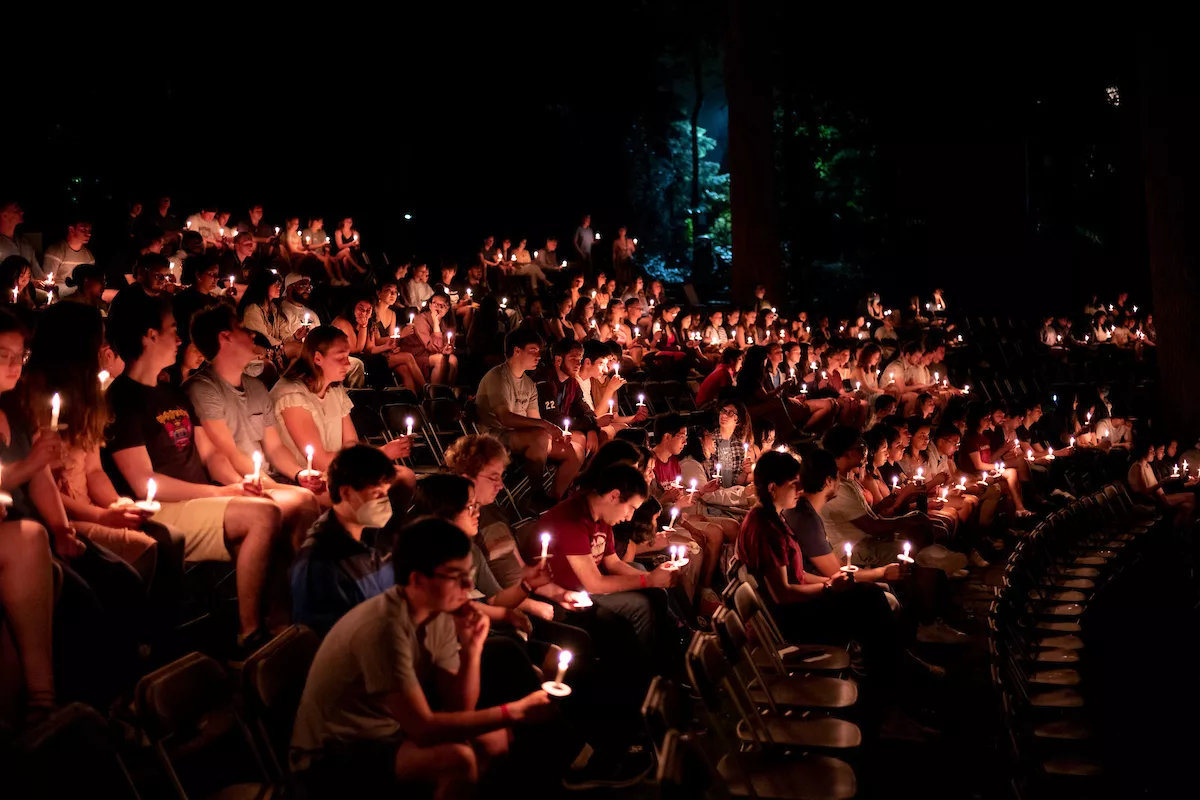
(411, 317)
(983, 480)
(409, 422)
(906, 558)
(674, 551)
(545, 545)
(674, 515)
(717, 466)
(920, 476)
(149, 504)
(15, 290)
(966, 388)
(895, 482)
(1029, 454)
(636, 332)
(593, 294)
(891, 377)
(792, 373)
(396, 332)
(189, 224)
(804, 388)
(1072, 442)
(692, 485)
(103, 379)
(356, 237)
(936, 377)
(55, 407)
(151, 490)
(635, 242)
(276, 230)
(535, 253)
(50, 277)
(220, 231)
(616, 370)
(566, 424)
(307, 321)
(257, 459)
(504, 302)
(945, 494)
(745, 448)
(597, 236)
(611, 403)
(857, 385)
(308, 451)
(849, 549)
(231, 280)
(1050, 454)
(962, 483)
(641, 400)
(563, 265)
(1175, 472)
(564, 661)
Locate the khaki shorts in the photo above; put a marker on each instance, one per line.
(202, 523)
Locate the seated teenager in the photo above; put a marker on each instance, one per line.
(65, 360)
(809, 606)
(344, 559)
(156, 435)
(975, 458)
(312, 408)
(367, 717)
(1142, 481)
(561, 397)
(235, 410)
(508, 409)
(582, 557)
(600, 386)
(722, 376)
(431, 342)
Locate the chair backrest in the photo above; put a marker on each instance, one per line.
(685, 772)
(396, 416)
(436, 391)
(664, 708)
(178, 698)
(274, 676)
(398, 394)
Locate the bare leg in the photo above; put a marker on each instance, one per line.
(27, 597)
(251, 526)
(1014, 488)
(570, 459)
(533, 445)
(300, 510)
(437, 368)
(452, 768)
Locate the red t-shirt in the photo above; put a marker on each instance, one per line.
(972, 443)
(573, 533)
(667, 471)
(765, 544)
(717, 380)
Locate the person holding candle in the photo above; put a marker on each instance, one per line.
(156, 434)
(975, 457)
(807, 605)
(508, 407)
(61, 259)
(315, 240)
(240, 261)
(65, 357)
(312, 406)
(600, 388)
(259, 312)
(560, 395)
(366, 718)
(428, 344)
(1142, 481)
(584, 558)
(237, 414)
(88, 285)
(581, 319)
(346, 248)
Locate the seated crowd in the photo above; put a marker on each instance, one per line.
(197, 408)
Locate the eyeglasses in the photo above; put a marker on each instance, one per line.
(9, 358)
(464, 579)
(729, 412)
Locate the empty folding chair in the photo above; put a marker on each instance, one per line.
(273, 680)
(187, 712)
(759, 771)
(771, 650)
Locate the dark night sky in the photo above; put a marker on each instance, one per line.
(515, 124)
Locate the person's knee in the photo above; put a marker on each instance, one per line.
(32, 534)
(259, 515)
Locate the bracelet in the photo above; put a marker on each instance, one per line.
(504, 713)
(642, 579)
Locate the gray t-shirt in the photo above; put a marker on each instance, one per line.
(374, 651)
(247, 411)
(500, 390)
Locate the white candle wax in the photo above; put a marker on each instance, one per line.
(257, 458)
(308, 451)
(409, 422)
(55, 406)
(545, 545)
(564, 660)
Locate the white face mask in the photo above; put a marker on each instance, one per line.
(374, 513)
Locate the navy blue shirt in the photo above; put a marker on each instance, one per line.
(809, 530)
(334, 572)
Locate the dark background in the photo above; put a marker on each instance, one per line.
(989, 162)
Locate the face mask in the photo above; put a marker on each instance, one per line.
(374, 513)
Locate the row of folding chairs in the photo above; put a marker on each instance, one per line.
(1038, 644)
(210, 732)
(771, 717)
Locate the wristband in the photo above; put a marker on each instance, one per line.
(296, 477)
(642, 579)
(504, 715)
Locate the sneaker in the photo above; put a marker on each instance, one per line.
(922, 668)
(613, 771)
(938, 632)
(976, 560)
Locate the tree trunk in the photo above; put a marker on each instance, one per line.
(756, 249)
(1167, 101)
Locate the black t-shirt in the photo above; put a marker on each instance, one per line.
(809, 530)
(161, 419)
(186, 305)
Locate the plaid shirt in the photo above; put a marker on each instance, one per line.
(730, 454)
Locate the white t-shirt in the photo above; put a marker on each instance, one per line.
(206, 228)
(327, 413)
(1141, 477)
(839, 513)
(62, 261)
(586, 386)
